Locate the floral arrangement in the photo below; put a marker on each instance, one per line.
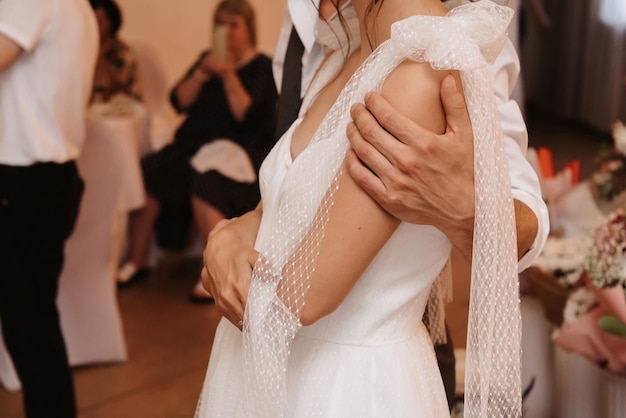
(579, 302)
(581, 283)
(605, 262)
(609, 177)
(594, 315)
(564, 258)
(556, 274)
(619, 137)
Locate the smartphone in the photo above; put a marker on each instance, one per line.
(220, 41)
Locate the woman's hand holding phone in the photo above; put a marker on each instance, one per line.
(220, 42)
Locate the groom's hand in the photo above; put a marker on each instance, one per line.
(416, 175)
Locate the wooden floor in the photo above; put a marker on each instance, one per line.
(169, 339)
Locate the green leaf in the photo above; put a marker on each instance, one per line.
(612, 325)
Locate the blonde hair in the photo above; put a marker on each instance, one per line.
(240, 8)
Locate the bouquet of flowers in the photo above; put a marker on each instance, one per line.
(594, 318)
(556, 275)
(609, 177)
(605, 262)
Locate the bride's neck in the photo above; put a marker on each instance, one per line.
(376, 26)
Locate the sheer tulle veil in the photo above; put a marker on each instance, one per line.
(467, 39)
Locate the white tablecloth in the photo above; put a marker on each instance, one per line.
(583, 390)
(87, 301)
(566, 385)
(537, 359)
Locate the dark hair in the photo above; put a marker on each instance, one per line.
(373, 7)
(113, 12)
(368, 11)
(240, 8)
(376, 4)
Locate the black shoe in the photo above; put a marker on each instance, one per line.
(129, 274)
(200, 295)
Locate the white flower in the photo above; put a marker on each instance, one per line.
(605, 261)
(577, 304)
(601, 177)
(571, 276)
(619, 137)
(565, 255)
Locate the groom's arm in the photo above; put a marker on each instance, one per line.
(447, 169)
(422, 177)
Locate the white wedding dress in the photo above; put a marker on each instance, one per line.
(371, 357)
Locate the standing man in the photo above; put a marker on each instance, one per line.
(48, 51)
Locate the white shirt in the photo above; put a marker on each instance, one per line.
(302, 14)
(504, 73)
(44, 92)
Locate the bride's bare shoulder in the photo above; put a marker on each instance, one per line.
(413, 88)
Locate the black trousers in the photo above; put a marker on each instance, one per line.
(38, 209)
(446, 362)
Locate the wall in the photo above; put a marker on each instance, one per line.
(167, 36)
(174, 32)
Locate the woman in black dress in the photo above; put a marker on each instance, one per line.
(232, 98)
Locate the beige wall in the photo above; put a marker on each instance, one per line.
(173, 32)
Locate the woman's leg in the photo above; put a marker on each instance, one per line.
(206, 217)
(141, 226)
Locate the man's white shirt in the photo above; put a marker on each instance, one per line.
(504, 74)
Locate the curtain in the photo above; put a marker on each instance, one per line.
(576, 70)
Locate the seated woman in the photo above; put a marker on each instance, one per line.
(332, 323)
(234, 99)
(117, 69)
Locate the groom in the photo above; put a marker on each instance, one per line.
(400, 164)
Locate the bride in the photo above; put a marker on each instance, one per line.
(332, 326)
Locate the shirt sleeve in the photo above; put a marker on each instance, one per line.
(25, 21)
(524, 181)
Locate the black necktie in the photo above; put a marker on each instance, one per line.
(289, 101)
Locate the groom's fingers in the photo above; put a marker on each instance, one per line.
(454, 106)
(363, 177)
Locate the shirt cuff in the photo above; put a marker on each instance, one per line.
(543, 228)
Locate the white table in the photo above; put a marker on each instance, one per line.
(537, 359)
(109, 165)
(567, 385)
(583, 390)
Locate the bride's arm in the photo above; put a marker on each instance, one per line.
(358, 227)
